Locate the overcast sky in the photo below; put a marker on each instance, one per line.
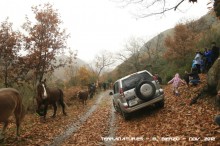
(97, 25)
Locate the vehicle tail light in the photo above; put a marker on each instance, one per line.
(121, 92)
(125, 105)
(161, 91)
(155, 79)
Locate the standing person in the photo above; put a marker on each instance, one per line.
(176, 83)
(186, 78)
(215, 52)
(193, 64)
(198, 61)
(104, 86)
(154, 76)
(208, 59)
(157, 77)
(204, 57)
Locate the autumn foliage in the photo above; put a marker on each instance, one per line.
(180, 45)
(10, 45)
(217, 8)
(45, 40)
(84, 76)
(32, 52)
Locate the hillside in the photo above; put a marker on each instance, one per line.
(205, 22)
(153, 50)
(60, 72)
(158, 40)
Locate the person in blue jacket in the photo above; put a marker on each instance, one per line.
(208, 59)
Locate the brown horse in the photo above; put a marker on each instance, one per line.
(11, 103)
(48, 96)
(83, 96)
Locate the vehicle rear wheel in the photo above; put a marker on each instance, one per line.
(115, 107)
(125, 116)
(160, 104)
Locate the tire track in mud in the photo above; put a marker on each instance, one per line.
(101, 111)
(76, 125)
(112, 128)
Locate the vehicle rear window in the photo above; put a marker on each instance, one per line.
(133, 80)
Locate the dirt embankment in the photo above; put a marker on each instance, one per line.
(177, 123)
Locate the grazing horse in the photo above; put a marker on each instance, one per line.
(48, 96)
(83, 96)
(11, 103)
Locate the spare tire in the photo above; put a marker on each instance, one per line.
(145, 90)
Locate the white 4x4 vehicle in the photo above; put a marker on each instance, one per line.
(136, 91)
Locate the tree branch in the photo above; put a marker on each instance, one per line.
(178, 5)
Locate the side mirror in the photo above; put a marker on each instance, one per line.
(111, 93)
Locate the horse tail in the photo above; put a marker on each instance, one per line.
(20, 109)
(61, 101)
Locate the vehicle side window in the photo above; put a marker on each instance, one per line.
(116, 87)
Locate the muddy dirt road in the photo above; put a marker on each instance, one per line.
(97, 124)
(94, 124)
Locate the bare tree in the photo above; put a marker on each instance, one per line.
(148, 50)
(199, 25)
(152, 52)
(131, 55)
(102, 61)
(153, 7)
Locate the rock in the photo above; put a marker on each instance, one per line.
(217, 120)
(213, 78)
